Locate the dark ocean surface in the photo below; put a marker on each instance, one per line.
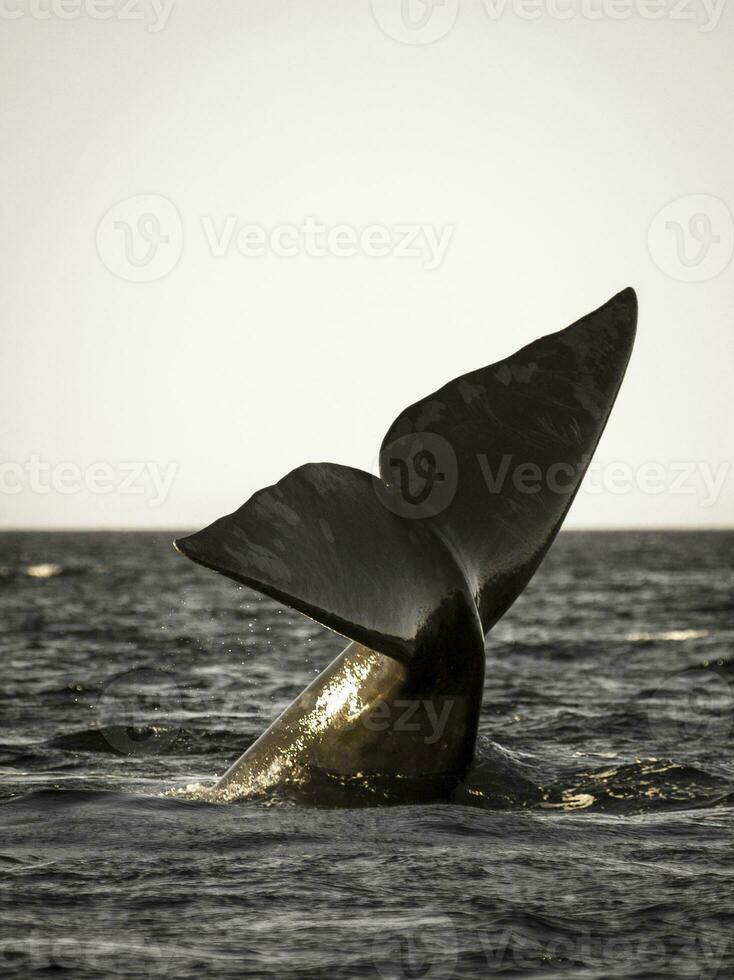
(601, 844)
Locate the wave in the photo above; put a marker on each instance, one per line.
(40, 571)
(150, 740)
(641, 785)
(674, 636)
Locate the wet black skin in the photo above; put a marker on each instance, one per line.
(377, 726)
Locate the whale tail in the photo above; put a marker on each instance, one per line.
(475, 482)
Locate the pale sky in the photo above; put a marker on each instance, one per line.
(156, 371)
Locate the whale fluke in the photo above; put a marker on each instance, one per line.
(523, 431)
(321, 541)
(475, 481)
(416, 565)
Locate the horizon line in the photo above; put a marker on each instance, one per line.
(179, 529)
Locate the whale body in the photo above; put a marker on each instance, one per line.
(415, 567)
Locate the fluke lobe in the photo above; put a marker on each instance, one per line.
(416, 566)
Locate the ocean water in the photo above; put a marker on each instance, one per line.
(600, 845)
